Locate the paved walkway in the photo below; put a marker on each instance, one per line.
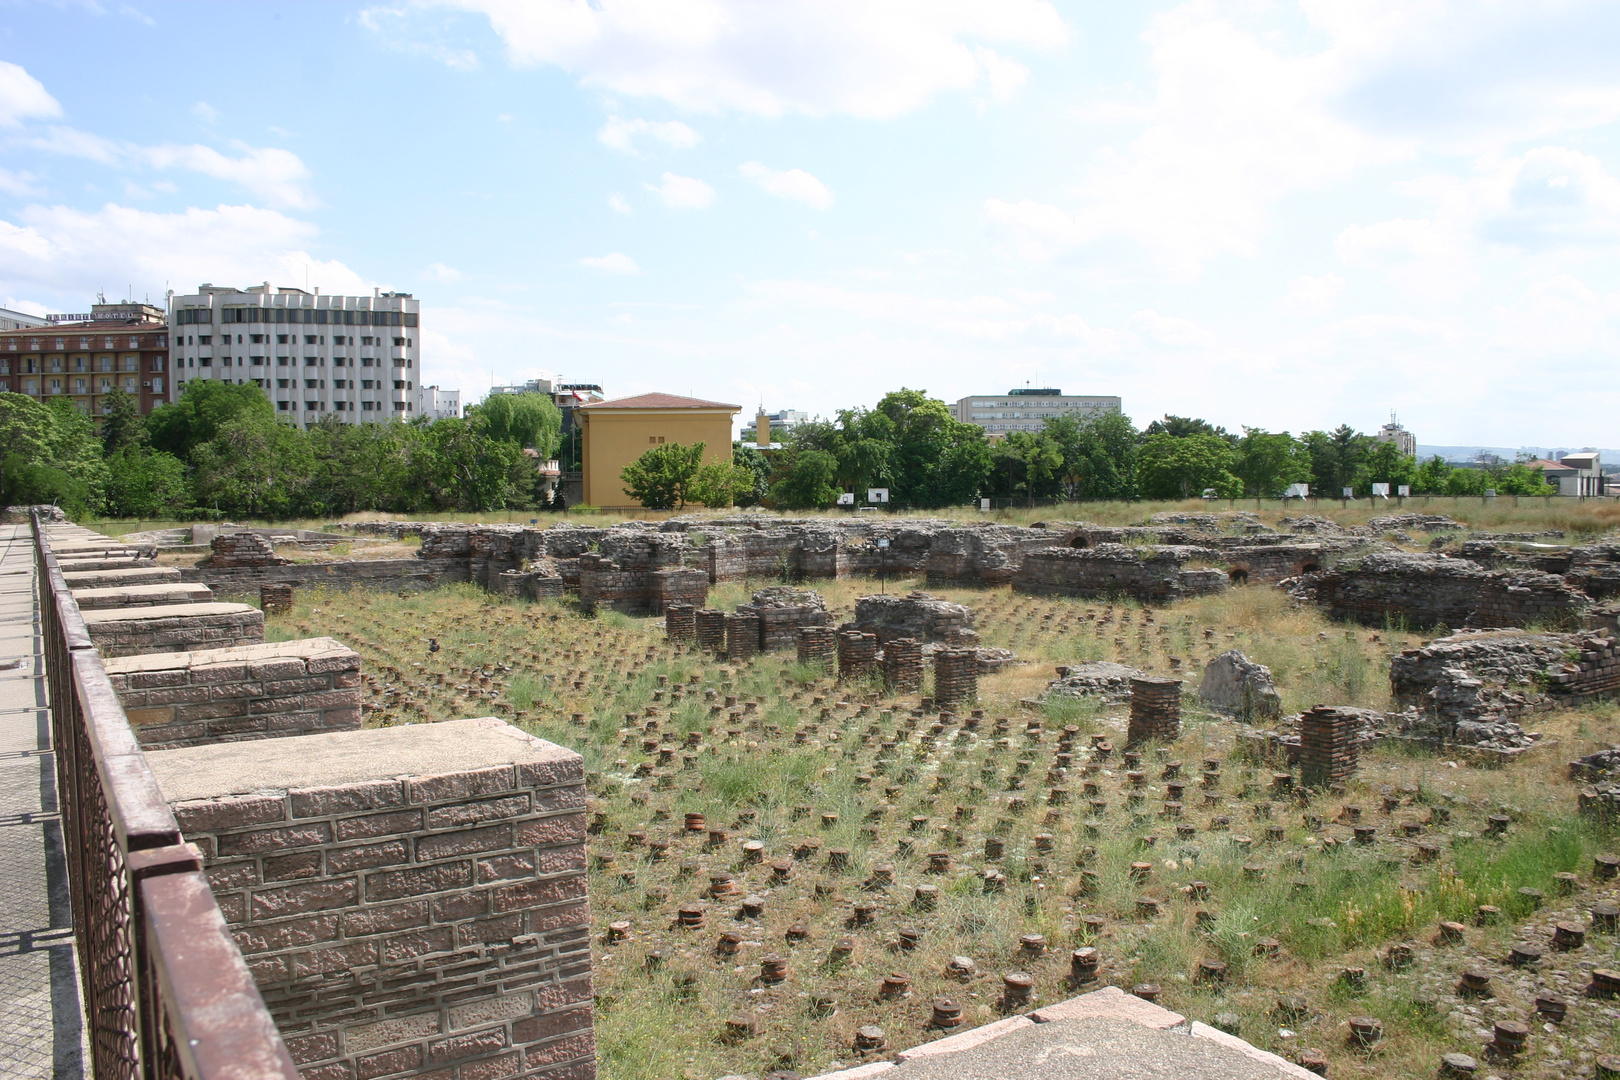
(41, 1029)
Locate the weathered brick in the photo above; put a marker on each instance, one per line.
(559, 994)
(550, 1025)
(539, 774)
(336, 1070)
(493, 1068)
(287, 934)
(468, 842)
(288, 668)
(507, 867)
(556, 918)
(233, 906)
(418, 943)
(308, 896)
(309, 1048)
(361, 1038)
(471, 813)
(567, 798)
(206, 674)
(231, 812)
(383, 920)
(460, 785)
(504, 928)
(460, 905)
(574, 1070)
(538, 893)
(299, 864)
(568, 1048)
(560, 860)
(327, 961)
(158, 714)
(393, 884)
(367, 856)
(374, 825)
(308, 834)
(404, 1059)
(476, 1044)
(544, 832)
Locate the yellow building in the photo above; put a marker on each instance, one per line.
(615, 433)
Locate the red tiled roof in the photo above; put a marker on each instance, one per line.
(1544, 464)
(658, 401)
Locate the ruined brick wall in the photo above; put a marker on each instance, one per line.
(173, 628)
(1507, 673)
(782, 610)
(1272, 562)
(649, 578)
(243, 549)
(915, 615)
(1529, 598)
(392, 574)
(1418, 590)
(988, 556)
(249, 692)
(430, 924)
(1151, 574)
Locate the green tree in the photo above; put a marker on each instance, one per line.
(122, 425)
(28, 483)
(1041, 459)
(1336, 459)
(661, 478)
(758, 488)
(364, 467)
(531, 421)
(1521, 479)
(1099, 455)
(1429, 478)
(1267, 463)
(1384, 463)
(1183, 426)
(1181, 468)
(146, 484)
(805, 480)
(255, 465)
(52, 454)
(462, 469)
(205, 407)
(718, 484)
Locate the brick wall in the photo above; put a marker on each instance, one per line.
(1150, 574)
(173, 628)
(413, 574)
(1529, 598)
(247, 692)
(411, 900)
(1418, 590)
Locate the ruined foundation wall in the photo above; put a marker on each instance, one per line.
(422, 887)
(1150, 574)
(173, 628)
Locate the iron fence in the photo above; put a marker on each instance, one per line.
(166, 991)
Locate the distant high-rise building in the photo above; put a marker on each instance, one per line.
(83, 357)
(1393, 432)
(779, 423)
(353, 357)
(1029, 410)
(436, 404)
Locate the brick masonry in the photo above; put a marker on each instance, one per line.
(131, 596)
(246, 692)
(1155, 575)
(173, 628)
(411, 900)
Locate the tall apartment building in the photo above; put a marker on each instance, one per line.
(1393, 432)
(1029, 410)
(353, 357)
(82, 357)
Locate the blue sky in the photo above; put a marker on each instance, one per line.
(1283, 215)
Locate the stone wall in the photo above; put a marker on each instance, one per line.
(128, 596)
(173, 628)
(392, 574)
(248, 692)
(236, 549)
(410, 900)
(1378, 589)
(1529, 598)
(782, 610)
(915, 615)
(1156, 575)
(107, 579)
(1475, 675)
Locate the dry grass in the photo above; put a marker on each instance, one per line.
(809, 745)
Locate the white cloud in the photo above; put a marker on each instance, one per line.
(440, 272)
(23, 97)
(205, 112)
(682, 192)
(869, 58)
(1003, 75)
(1314, 295)
(1560, 315)
(617, 204)
(74, 252)
(621, 134)
(278, 176)
(615, 263)
(19, 185)
(795, 184)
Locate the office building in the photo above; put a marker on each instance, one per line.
(436, 404)
(353, 357)
(20, 320)
(1029, 410)
(82, 357)
(1393, 432)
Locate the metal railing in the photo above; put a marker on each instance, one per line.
(166, 991)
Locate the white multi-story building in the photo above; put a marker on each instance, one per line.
(1393, 432)
(1029, 410)
(436, 404)
(354, 357)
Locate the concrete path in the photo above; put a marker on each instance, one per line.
(41, 1026)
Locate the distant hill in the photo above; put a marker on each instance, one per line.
(1508, 453)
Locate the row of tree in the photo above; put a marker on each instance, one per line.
(221, 448)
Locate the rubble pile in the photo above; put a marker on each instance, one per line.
(1237, 686)
(1101, 678)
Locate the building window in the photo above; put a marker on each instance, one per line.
(157, 386)
(399, 406)
(284, 406)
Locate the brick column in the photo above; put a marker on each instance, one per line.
(1155, 711)
(411, 900)
(956, 675)
(903, 666)
(742, 636)
(710, 626)
(680, 623)
(818, 645)
(857, 653)
(275, 599)
(1327, 745)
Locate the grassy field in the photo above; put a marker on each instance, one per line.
(772, 752)
(1580, 518)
